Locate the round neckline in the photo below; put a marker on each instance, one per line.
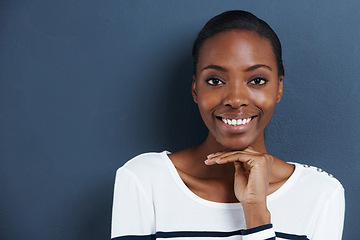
(287, 185)
(174, 173)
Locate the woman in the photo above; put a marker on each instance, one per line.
(229, 186)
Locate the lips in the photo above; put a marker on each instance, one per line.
(236, 121)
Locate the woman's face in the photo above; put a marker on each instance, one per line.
(236, 87)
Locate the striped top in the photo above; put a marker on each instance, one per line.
(152, 202)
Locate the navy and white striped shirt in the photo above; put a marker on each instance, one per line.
(152, 202)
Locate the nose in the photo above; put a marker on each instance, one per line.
(236, 96)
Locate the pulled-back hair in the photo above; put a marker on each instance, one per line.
(238, 20)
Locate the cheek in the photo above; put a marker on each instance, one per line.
(266, 101)
(207, 101)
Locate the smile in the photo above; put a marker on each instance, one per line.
(236, 122)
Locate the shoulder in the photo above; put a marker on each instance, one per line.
(316, 179)
(144, 173)
(144, 164)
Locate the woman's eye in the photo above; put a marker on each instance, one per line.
(214, 81)
(258, 81)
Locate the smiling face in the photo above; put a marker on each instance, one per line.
(236, 87)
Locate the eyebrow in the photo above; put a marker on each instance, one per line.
(258, 66)
(217, 67)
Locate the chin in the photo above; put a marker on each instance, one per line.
(235, 145)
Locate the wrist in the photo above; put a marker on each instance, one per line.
(256, 215)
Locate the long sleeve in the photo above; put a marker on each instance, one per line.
(330, 223)
(133, 214)
(264, 232)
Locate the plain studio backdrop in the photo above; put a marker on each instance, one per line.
(87, 84)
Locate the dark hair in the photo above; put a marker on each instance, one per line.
(240, 20)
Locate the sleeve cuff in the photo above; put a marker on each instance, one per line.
(264, 232)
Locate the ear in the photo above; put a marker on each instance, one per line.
(193, 89)
(280, 89)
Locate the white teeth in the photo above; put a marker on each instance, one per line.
(236, 122)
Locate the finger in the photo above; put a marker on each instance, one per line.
(248, 156)
(225, 154)
(233, 158)
(241, 176)
(210, 162)
(216, 154)
(240, 170)
(250, 149)
(212, 158)
(219, 155)
(221, 160)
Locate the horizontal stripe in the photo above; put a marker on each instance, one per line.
(290, 236)
(256, 229)
(196, 234)
(136, 237)
(208, 234)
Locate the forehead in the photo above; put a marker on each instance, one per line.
(237, 47)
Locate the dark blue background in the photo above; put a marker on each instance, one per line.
(87, 84)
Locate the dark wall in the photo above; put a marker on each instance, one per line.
(85, 85)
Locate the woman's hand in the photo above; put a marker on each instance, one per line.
(251, 182)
